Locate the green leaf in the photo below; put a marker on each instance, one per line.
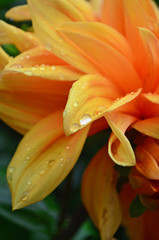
(136, 208)
(11, 49)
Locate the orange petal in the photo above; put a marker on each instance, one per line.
(19, 13)
(146, 164)
(100, 32)
(150, 61)
(33, 85)
(149, 127)
(112, 14)
(134, 226)
(102, 55)
(90, 98)
(59, 12)
(21, 39)
(119, 148)
(43, 159)
(4, 58)
(99, 194)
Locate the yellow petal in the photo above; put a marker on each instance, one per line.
(154, 98)
(4, 58)
(101, 54)
(99, 194)
(89, 99)
(33, 85)
(119, 147)
(43, 159)
(19, 13)
(149, 127)
(97, 5)
(21, 39)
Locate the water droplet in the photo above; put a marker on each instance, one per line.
(75, 104)
(132, 93)
(11, 169)
(29, 182)
(17, 66)
(53, 67)
(74, 127)
(117, 99)
(9, 178)
(27, 56)
(67, 147)
(61, 164)
(27, 157)
(28, 73)
(24, 197)
(64, 113)
(51, 162)
(42, 172)
(28, 149)
(33, 68)
(22, 58)
(85, 119)
(61, 159)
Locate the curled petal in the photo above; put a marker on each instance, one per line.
(19, 13)
(119, 147)
(21, 39)
(100, 196)
(43, 159)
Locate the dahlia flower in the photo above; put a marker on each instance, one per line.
(97, 63)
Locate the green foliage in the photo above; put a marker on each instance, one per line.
(136, 208)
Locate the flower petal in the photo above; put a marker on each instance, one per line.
(4, 59)
(150, 60)
(19, 13)
(149, 127)
(21, 39)
(32, 86)
(101, 54)
(119, 148)
(112, 14)
(99, 194)
(89, 99)
(146, 163)
(43, 159)
(59, 12)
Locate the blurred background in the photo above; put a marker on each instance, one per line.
(61, 215)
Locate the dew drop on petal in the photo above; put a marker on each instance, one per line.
(24, 197)
(51, 162)
(11, 169)
(42, 172)
(28, 73)
(85, 119)
(74, 127)
(75, 104)
(53, 67)
(29, 182)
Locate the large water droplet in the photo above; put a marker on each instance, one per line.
(74, 127)
(85, 119)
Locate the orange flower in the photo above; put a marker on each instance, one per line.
(106, 54)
